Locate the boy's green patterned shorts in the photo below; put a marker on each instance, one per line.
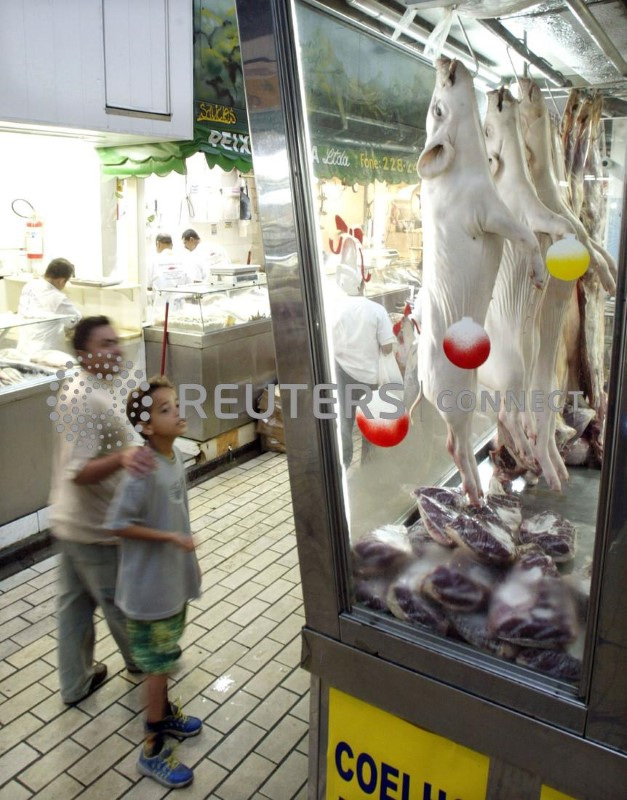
(154, 643)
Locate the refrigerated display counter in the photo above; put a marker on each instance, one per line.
(215, 336)
(456, 649)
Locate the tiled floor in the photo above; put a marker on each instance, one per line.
(239, 669)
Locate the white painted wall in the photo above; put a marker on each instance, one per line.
(61, 179)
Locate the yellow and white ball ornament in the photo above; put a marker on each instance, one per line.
(567, 259)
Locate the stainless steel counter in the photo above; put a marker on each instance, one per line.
(26, 445)
(241, 355)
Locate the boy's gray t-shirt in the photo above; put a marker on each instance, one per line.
(155, 579)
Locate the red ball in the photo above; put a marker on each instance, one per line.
(382, 432)
(466, 344)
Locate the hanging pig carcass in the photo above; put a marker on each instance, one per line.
(464, 224)
(512, 319)
(537, 136)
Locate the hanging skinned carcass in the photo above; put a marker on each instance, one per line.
(515, 303)
(537, 135)
(585, 332)
(464, 225)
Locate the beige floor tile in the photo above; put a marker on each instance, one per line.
(51, 733)
(15, 760)
(253, 633)
(223, 659)
(18, 579)
(207, 776)
(33, 632)
(258, 656)
(100, 759)
(14, 791)
(267, 679)
(231, 713)
(234, 747)
(282, 738)
(109, 786)
(246, 779)
(102, 726)
(23, 678)
(273, 707)
(33, 652)
(227, 684)
(14, 610)
(12, 595)
(26, 700)
(290, 776)
(17, 731)
(53, 764)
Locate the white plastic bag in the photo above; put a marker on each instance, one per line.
(389, 371)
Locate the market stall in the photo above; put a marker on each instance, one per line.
(464, 627)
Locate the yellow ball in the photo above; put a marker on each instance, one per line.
(567, 259)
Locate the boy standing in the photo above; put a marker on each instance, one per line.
(158, 573)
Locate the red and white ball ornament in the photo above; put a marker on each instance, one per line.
(466, 344)
(379, 431)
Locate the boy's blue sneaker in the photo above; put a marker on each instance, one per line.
(165, 768)
(179, 724)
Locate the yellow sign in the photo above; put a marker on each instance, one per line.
(373, 755)
(547, 793)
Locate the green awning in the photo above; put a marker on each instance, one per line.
(139, 161)
(226, 149)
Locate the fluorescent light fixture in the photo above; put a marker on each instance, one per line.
(380, 13)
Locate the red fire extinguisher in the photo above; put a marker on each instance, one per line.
(34, 233)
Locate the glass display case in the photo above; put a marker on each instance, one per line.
(215, 336)
(20, 365)
(120, 301)
(199, 308)
(26, 379)
(484, 609)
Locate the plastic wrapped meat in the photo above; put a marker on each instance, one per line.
(406, 601)
(578, 583)
(418, 536)
(438, 506)
(553, 533)
(372, 593)
(533, 610)
(383, 551)
(483, 533)
(532, 555)
(473, 628)
(508, 507)
(557, 663)
(461, 583)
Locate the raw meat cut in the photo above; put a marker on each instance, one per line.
(372, 593)
(555, 535)
(557, 663)
(406, 601)
(473, 628)
(460, 584)
(482, 533)
(532, 555)
(508, 507)
(383, 551)
(532, 609)
(438, 507)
